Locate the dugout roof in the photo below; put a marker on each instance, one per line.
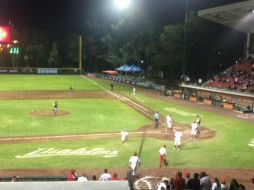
(237, 15)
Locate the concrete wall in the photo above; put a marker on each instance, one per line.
(65, 185)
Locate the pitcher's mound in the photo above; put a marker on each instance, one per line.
(48, 113)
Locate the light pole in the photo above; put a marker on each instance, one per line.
(185, 36)
(80, 54)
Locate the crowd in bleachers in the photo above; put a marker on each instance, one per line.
(200, 181)
(239, 77)
(180, 181)
(105, 176)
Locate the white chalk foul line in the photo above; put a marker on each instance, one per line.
(124, 99)
(72, 136)
(251, 143)
(117, 96)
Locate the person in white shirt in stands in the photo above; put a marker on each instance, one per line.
(178, 138)
(82, 178)
(162, 185)
(134, 162)
(105, 176)
(124, 136)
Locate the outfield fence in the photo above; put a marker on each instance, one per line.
(47, 71)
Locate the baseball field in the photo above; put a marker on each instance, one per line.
(85, 133)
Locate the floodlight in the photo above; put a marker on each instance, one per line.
(122, 4)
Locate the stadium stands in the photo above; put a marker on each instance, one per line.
(239, 77)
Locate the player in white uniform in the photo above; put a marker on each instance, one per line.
(169, 122)
(194, 130)
(124, 136)
(134, 162)
(134, 91)
(178, 138)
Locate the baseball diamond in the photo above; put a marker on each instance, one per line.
(75, 127)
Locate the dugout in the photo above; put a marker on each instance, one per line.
(229, 100)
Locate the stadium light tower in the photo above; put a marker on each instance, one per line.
(122, 4)
(185, 36)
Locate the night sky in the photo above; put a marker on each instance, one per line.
(70, 15)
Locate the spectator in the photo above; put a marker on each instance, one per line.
(14, 179)
(105, 176)
(216, 184)
(223, 184)
(71, 176)
(162, 185)
(187, 177)
(179, 182)
(82, 178)
(234, 185)
(115, 176)
(194, 183)
(94, 178)
(241, 187)
(205, 181)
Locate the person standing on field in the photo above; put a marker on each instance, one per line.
(156, 120)
(55, 107)
(198, 120)
(194, 130)
(134, 162)
(124, 136)
(178, 138)
(112, 86)
(134, 91)
(163, 156)
(169, 122)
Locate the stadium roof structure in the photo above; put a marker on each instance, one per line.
(239, 16)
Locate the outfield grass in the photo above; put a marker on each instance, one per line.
(44, 82)
(228, 149)
(85, 116)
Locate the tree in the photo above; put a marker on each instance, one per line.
(171, 55)
(34, 47)
(54, 58)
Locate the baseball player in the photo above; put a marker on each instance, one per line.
(169, 122)
(134, 162)
(55, 107)
(178, 137)
(134, 91)
(198, 120)
(124, 136)
(163, 153)
(194, 130)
